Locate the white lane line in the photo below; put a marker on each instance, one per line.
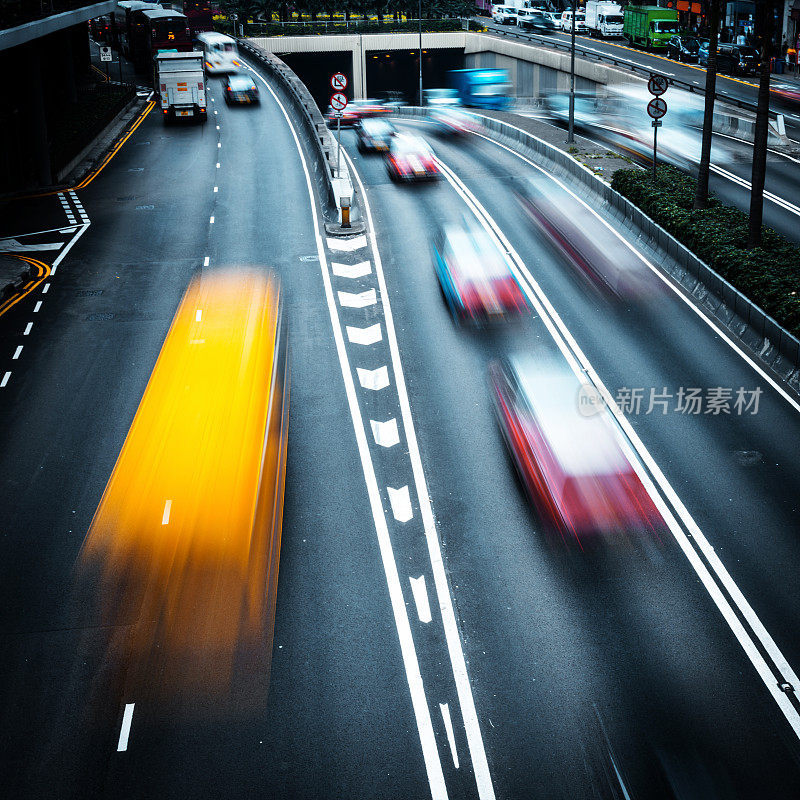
(374, 379)
(217, 164)
(401, 503)
(347, 245)
(779, 201)
(657, 272)
(5, 379)
(205, 261)
(421, 599)
(27, 329)
(469, 714)
(360, 300)
(37, 306)
(216, 188)
(430, 752)
(215, 113)
(365, 336)
(211, 221)
(198, 315)
(125, 730)
(217, 127)
(69, 246)
(351, 270)
(385, 433)
(448, 725)
(45, 288)
(17, 353)
(583, 369)
(167, 510)
(219, 144)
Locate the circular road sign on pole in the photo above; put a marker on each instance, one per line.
(338, 102)
(657, 85)
(339, 82)
(656, 108)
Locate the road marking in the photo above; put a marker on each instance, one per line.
(469, 714)
(45, 288)
(205, 261)
(125, 730)
(27, 329)
(215, 113)
(641, 458)
(5, 379)
(360, 300)
(219, 144)
(779, 201)
(217, 164)
(167, 510)
(401, 503)
(448, 726)
(365, 336)
(37, 306)
(216, 188)
(198, 316)
(430, 753)
(13, 246)
(217, 127)
(347, 245)
(421, 599)
(385, 433)
(211, 221)
(718, 331)
(351, 270)
(17, 353)
(374, 379)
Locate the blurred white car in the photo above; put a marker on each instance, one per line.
(504, 15)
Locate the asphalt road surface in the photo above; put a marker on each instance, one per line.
(428, 641)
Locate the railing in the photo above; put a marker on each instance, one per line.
(342, 27)
(557, 44)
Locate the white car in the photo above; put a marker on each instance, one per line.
(555, 17)
(504, 15)
(580, 22)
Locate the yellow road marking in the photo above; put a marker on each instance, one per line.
(44, 271)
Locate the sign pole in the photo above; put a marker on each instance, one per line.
(656, 123)
(339, 150)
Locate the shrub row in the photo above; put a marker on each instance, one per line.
(768, 275)
(339, 26)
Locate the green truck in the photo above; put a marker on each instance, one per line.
(649, 26)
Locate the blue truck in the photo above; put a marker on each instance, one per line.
(482, 88)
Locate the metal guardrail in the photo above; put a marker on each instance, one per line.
(623, 62)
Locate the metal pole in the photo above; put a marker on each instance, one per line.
(571, 136)
(655, 140)
(339, 150)
(420, 53)
(119, 61)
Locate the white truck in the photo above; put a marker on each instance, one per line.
(181, 85)
(604, 18)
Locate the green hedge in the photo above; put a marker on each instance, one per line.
(339, 26)
(768, 275)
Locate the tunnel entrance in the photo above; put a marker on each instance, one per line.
(315, 71)
(398, 70)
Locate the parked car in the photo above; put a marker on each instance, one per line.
(505, 15)
(533, 19)
(240, 88)
(736, 59)
(683, 48)
(374, 134)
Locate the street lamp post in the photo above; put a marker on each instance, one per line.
(571, 136)
(420, 53)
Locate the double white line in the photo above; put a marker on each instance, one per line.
(773, 198)
(771, 665)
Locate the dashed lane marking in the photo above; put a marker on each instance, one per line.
(167, 511)
(400, 500)
(205, 261)
(125, 730)
(421, 599)
(374, 379)
(5, 380)
(365, 336)
(351, 271)
(45, 288)
(17, 353)
(27, 329)
(385, 433)
(448, 725)
(360, 300)
(37, 306)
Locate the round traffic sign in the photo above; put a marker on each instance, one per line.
(657, 84)
(657, 107)
(339, 82)
(338, 101)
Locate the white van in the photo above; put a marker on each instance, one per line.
(504, 15)
(580, 22)
(220, 52)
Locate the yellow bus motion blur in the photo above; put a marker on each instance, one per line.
(187, 535)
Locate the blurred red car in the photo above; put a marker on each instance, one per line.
(410, 159)
(476, 280)
(567, 452)
(356, 110)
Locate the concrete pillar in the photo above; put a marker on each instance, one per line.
(359, 70)
(36, 137)
(66, 74)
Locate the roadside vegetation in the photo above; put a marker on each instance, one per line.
(719, 235)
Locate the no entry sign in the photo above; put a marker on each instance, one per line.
(339, 82)
(656, 108)
(657, 85)
(338, 102)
